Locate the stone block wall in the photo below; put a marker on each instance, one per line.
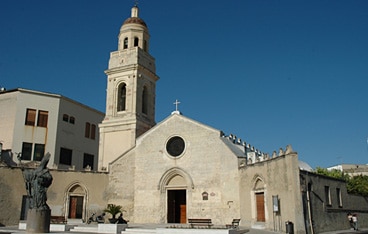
(13, 189)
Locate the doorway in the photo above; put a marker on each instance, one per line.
(260, 207)
(176, 206)
(75, 207)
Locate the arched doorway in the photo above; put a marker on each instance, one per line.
(176, 200)
(174, 185)
(259, 198)
(76, 201)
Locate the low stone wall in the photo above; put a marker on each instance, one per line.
(13, 189)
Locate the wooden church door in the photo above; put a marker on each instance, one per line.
(176, 206)
(260, 207)
(76, 207)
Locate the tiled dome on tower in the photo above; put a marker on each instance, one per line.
(134, 19)
(134, 32)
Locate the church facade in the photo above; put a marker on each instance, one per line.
(183, 169)
(180, 168)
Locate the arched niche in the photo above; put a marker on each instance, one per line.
(175, 177)
(76, 198)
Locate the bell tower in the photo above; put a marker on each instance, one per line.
(131, 91)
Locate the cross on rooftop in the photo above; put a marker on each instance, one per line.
(176, 103)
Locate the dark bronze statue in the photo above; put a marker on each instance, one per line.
(37, 181)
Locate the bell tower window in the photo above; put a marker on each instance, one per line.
(145, 45)
(125, 43)
(136, 41)
(144, 101)
(121, 97)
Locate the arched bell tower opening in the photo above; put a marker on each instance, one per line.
(131, 91)
(121, 98)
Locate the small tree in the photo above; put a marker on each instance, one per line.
(357, 185)
(113, 210)
(335, 173)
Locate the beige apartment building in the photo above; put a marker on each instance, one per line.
(351, 169)
(33, 123)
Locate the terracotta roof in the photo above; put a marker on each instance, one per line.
(135, 20)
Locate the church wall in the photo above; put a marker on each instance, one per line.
(93, 186)
(13, 189)
(278, 176)
(121, 184)
(206, 165)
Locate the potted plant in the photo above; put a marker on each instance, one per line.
(113, 210)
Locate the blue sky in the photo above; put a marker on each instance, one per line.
(271, 72)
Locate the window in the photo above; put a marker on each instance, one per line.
(42, 118)
(327, 196)
(39, 152)
(30, 117)
(145, 45)
(121, 97)
(65, 117)
(175, 146)
(136, 41)
(65, 156)
(144, 101)
(26, 151)
(90, 131)
(93, 131)
(125, 43)
(338, 195)
(88, 160)
(87, 130)
(72, 120)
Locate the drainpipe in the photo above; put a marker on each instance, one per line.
(309, 212)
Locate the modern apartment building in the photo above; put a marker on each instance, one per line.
(33, 123)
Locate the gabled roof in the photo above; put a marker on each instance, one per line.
(172, 116)
(237, 149)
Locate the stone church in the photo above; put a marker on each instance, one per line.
(180, 168)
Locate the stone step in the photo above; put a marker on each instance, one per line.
(138, 231)
(85, 229)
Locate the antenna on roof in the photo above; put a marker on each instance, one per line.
(135, 3)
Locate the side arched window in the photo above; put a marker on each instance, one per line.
(136, 41)
(121, 97)
(145, 100)
(125, 43)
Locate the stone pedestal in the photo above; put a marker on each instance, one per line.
(38, 221)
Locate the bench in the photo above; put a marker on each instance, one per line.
(58, 219)
(200, 222)
(234, 224)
